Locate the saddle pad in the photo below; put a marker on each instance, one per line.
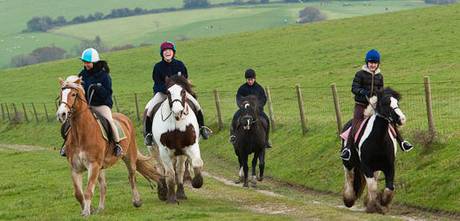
(345, 134)
(121, 133)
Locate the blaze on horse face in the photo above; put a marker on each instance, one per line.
(70, 91)
(388, 107)
(177, 97)
(248, 116)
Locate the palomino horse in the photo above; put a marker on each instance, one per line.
(86, 148)
(250, 134)
(375, 151)
(176, 133)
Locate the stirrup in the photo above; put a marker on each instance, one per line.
(232, 139)
(205, 132)
(118, 150)
(406, 146)
(148, 139)
(346, 154)
(62, 151)
(268, 144)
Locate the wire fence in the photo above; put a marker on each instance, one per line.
(318, 107)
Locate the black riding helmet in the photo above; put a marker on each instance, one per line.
(250, 73)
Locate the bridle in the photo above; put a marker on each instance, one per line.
(248, 118)
(70, 107)
(182, 101)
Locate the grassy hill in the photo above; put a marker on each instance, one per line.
(413, 44)
(157, 27)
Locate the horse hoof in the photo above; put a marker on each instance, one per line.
(253, 184)
(260, 178)
(137, 204)
(239, 180)
(85, 213)
(172, 201)
(197, 181)
(162, 190)
(245, 184)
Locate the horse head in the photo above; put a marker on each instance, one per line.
(72, 97)
(249, 112)
(388, 106)
(178, 87)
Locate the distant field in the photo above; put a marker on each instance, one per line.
(157, 27)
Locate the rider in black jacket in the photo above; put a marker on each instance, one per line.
(366, 83)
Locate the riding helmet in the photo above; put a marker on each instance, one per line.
(250, 73)
(372, 55)
(90, 55)
(167, 45)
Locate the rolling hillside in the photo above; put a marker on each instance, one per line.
(413, 44)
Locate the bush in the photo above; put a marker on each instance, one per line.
(96, 44)
(310, 14)
(440, 2)
(196, 3)
(38, 55)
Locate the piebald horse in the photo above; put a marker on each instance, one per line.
(86, 148)
(176, 133)
(375, 151)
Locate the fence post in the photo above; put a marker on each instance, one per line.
(220, 124)
(116, 103)
(137, 107)
(303, 120)
(46, 112)
(7, 112)
(16, 113)
(271, 115)
(3, 113)
(429, 106)
(338, 114)
(35, 112)
(25, 112)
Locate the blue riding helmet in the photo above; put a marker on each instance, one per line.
(372, 55)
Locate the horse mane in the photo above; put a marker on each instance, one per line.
(181, 81)
(253, 101)
(392, 93)
(72, 81)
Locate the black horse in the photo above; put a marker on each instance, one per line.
(250, 132)
(374, 151)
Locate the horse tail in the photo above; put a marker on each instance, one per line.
(358, 182)
(147, 168)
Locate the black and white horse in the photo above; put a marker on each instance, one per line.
(374, 151)
(250, 134)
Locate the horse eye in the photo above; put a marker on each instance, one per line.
(74, 94)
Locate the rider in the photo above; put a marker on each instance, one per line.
(366, 83)
(251, 87)
(98, 89)
(169, 66)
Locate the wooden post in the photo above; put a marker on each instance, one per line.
(16, 113)
(303, 120)
(137, 107)
(25, 112)
(3, 113)
(271, 114)
(338, 114)
(116, 103)
(429, 107)
(7, 112)
(220, 123)
(46, 112)
(35, 112)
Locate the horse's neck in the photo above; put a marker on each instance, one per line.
(83, 120)
(380, 126)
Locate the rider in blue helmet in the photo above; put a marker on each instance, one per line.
(366, 83)
(98, 89)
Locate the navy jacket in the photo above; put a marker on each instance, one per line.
(362, 83)
(163, 69)
(255, 89)
(102, 93)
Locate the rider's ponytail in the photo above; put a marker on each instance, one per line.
(102, 65)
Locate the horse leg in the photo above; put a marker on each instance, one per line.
(93, 174)
(130, 162)
(349, 195)
(372, 203)
(240, 171)
(102, 189)
(180, 170)
(261, 165)
(245, 170)
(169, 175)
(253, 169)
(388, 192)
(193, 153)
(77, 179)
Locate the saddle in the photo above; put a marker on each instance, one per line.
(104, 125)
(358, 133)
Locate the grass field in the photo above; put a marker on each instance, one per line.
(424, 42)
(157, 27)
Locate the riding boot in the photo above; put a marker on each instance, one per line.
(346, 151)
(405, 145)
(204, 131)
(62, 151)
(148, 137)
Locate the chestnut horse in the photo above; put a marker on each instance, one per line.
(87, 149)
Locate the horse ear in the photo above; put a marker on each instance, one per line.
(61, 81)
(79, 80)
